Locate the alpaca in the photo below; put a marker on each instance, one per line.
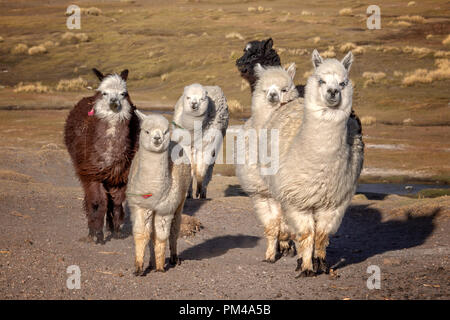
(156, 191)
(259, 52)
(262, 52)
(319, 172)
(101, 134)
(274, 89)
(203, 112)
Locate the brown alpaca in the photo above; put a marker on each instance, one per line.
(101, 134)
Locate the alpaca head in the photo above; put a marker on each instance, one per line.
(275, 85)
(113, 102)
(257, 52)
(195, 100)
(329, 87)
(155, 133)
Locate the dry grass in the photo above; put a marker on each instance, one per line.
(315, 40)
(70, 37)
(415, 19)
(164, 77)
(399, 23)
(408, 122)
(20, 48)
(40, 49)
(189, 226)
(244, 85)
(307, 13)
(416, 51)
(36, 87)
(234, 35)
(446, 41)
(424, 76)
(329, 53)
(251, 9)
(76, 84)
(346, 12)
(411, 3)
(307, 74)
(373, 78)
(235, 107)
(368, 120)
(398, 74)
(297, 51)
(93, 11)
(442, 54)
(429, 37)
(1, 39)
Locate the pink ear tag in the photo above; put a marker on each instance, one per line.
(91, 112)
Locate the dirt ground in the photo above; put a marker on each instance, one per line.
(41, 221)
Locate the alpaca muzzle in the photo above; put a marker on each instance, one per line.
(115, 105)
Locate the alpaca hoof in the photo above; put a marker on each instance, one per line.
(306, 273)
(174, 260)
(189, 196)
(139, 272)
(271, 260)
(287, 248)
(299, 264)
(100, 238)
(320, 266)
(160, 270)
(118, 235)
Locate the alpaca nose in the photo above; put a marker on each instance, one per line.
(333, 92)
(157, 138)
(194, 105)
(273, 96)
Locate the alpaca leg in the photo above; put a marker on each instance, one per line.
(206, 180)
(118, 197)
(173, 238)
(96, 205)
(327, 222)
(303, 224)
(141, 220)
(286, 246)
(271, 220)
(161, 234)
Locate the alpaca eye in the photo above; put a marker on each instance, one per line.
(124, 94)
(284, 90)
(146, 131)
(189, 98)
(321, 82)
(104, 93)
(343, 83)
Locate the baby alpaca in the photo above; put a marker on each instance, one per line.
(156, 191)
(274, 90)
(203, 112)
(318, 175)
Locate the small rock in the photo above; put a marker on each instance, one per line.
(391, 261)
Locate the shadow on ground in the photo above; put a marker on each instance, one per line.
(218, 246)
(363, 234)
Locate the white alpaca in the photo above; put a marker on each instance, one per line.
(156, 191)
(319, 172)
(203, 112)
(274, 90)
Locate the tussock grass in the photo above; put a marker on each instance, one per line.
(307, 13)
(373, 78)
(297, 51)
(329, 53)
(244, 85)
(36, 87)
(429, 37)
(368, 120)
(70, 37)
(408, 122)
(93, 11)
(411, 3)
(20, 48)
(446, 41)
(1, 39)
(164, 76)
(315, 40)
(415, 19)
(234, 35)
(416, 51)
(76, 84)
(235, 106)
(346, 12)
(399, 24)
(424, 76)
(40, 49)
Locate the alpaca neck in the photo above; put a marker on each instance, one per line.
(324, 135)
(188, 121)
(261, 113)
(153, 173)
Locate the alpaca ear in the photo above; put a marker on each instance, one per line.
(140, 115)
(258, 69)
(316, 59)
(347, 61)
(268, 44)
(124, 74)
(291, 70)
(99, 75)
